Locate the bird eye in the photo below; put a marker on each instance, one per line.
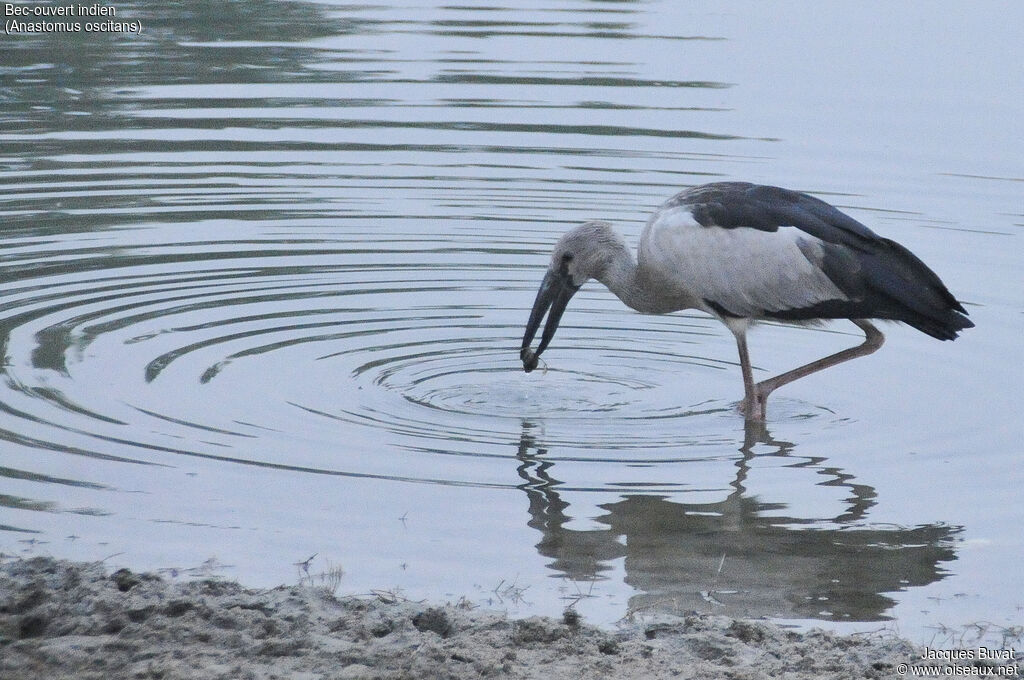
(567, 257)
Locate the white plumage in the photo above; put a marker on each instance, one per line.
(701, 264)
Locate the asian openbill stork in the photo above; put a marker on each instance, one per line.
(744, 253)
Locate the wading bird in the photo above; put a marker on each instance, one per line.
(744, 253)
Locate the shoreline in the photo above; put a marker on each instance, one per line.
(80, 621)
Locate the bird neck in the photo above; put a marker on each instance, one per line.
(631, 284)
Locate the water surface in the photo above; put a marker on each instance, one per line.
(266, 268)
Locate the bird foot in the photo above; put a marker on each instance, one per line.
(752, 412)
(754, 406)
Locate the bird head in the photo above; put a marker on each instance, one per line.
(581, 254)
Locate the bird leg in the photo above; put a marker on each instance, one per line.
(749, 406)
(755, 397)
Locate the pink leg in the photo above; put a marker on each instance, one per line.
(755, 396)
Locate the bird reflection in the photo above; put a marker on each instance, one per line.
(740, 556)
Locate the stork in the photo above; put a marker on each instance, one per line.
(745, 253)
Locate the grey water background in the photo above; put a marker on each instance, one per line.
(265, 269)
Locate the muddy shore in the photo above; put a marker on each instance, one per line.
(62, 619)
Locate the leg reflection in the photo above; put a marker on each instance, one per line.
(741, 555)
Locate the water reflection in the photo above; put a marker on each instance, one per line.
(732, 556)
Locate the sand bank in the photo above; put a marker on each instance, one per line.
(62, 619)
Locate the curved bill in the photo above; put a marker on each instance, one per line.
(555, 292)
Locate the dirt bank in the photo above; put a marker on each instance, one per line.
(61, 619)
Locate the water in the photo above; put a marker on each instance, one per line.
(266, 268)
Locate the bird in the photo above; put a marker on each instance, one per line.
(746, 253)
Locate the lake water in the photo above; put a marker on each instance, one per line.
(266, 267)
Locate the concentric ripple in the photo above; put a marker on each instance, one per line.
(232, 347)
(330, 268)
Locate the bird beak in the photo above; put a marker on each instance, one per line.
(555, 292)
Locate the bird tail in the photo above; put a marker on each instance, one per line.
(915, 294)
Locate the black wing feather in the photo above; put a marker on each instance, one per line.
(881, 278)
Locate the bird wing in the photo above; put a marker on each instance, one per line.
(751, 251)
(766, 208)
(743, 252)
